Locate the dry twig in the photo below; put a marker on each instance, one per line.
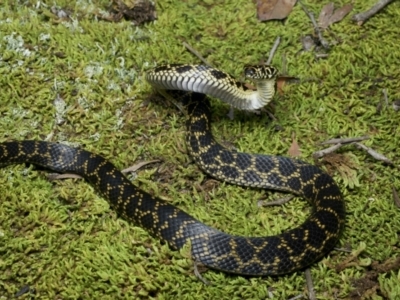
(310, 285)
(273, 50)
(396, 198)
(317, 29)
(364, 16)
(374, 154)
(323, 152)
(196, 53)
(346, 140)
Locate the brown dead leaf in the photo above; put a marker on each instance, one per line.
(274, 9)
(340, 13)
(137, 11)
(294, 149)
(328, 16)
(325, 14)
(281, 81)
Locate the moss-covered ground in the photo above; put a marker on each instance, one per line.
(81, 81)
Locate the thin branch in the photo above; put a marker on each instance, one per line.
(346, 140)
(364, 16)
(323, 152)
(374, 153)
(310, 285)
(196, 53)
(396, 198)
(198, 275)
(385, 96)
(317, 29)
(273, 50)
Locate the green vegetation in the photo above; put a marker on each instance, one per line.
(80, 80)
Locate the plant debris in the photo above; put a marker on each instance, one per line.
(396, 198)
(364, 16)
(317, 30)
(274, 9)
(294, 150)
(374, 153)
(396, 105)
(328, 15)
(326, 151)
(137, 11)
(369, 285)
(346, 140)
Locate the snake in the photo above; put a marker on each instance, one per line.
(284, 253)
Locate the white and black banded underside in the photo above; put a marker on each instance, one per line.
(215, 83)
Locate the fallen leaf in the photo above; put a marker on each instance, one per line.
(274, 9)
(282, 80)
(328, 16)
(325, 14)
(294, 149)
(340, 13)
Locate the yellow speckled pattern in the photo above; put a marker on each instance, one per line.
(284, 253)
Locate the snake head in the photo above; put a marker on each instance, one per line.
(260, 72)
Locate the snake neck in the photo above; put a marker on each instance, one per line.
(250, 99)
(215, 83)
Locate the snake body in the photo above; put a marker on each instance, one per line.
(206, 80)
(273, 255)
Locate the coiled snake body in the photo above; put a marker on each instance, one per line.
(284, 253)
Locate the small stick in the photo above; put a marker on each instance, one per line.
(196, 53)
(343, 250)
(310, 285)
(323, 152)
(385, 96)
(374, 154)
(364, 16)
(396, 198)
(136, 167)
(271, 115)
(321, 55)
(198, 275)
(273, 50)
(324, 43)
(346, 140)
(280, 201)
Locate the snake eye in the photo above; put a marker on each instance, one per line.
(250, 72)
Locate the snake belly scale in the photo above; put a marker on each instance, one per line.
(284, 253)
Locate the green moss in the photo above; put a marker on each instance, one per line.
(62, 240)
